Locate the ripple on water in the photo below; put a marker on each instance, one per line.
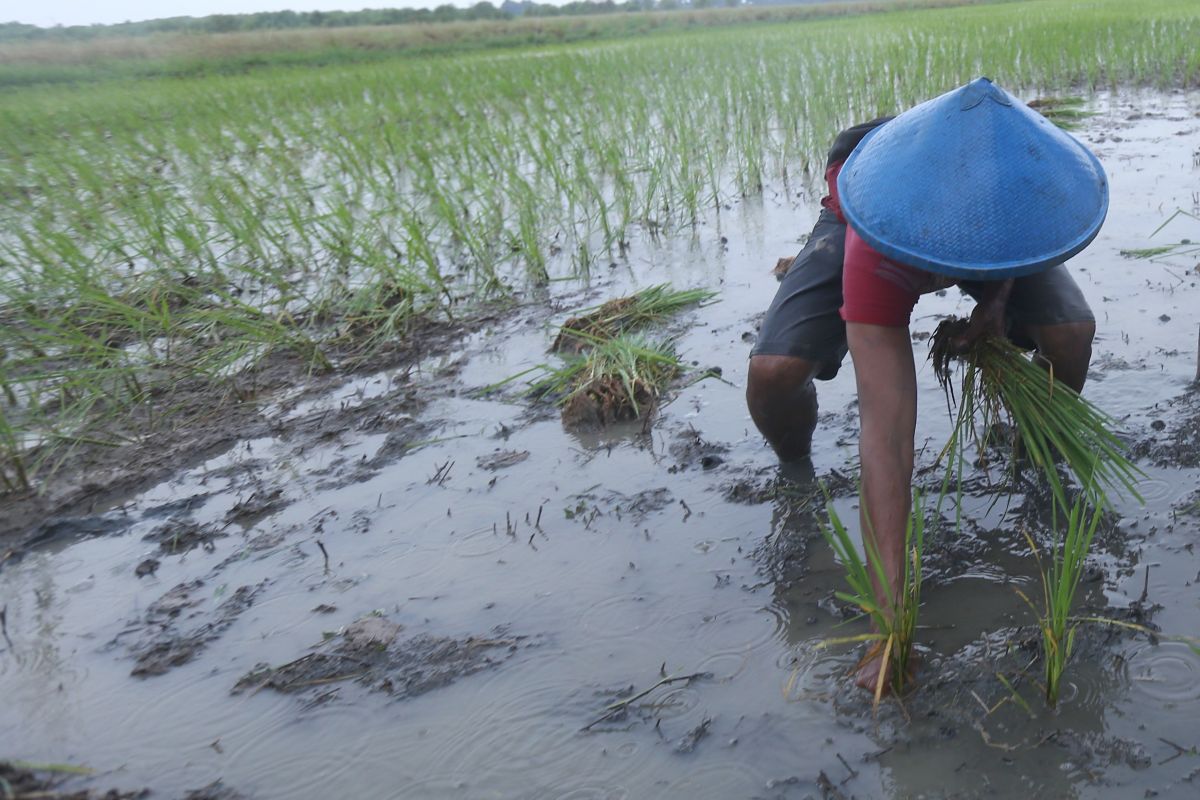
(724, 666)
(622, 616)
(1156, 491)
(320, 768)
(587, 791)
(738, 630)
(723, 775)
(1168, 673)
(480, 543)
(817, 673)
(461, 786)
(151, 721)
(528, 719)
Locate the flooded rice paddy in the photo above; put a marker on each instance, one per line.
(411, 590)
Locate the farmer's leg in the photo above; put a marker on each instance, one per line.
(802, 338)
(1067, 347)
(1048, 311)
(783, 402)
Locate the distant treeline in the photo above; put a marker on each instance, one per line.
(285, 20)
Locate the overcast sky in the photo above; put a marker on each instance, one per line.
(87, 12)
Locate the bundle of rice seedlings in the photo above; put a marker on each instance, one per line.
(1060, 575)
(624, 314)
(1065, 112)
(895, 622)
(1001, 384)
(614, 380)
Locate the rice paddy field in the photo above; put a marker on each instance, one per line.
(279, 519)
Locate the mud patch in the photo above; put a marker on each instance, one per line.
(690, 449)
(214, 791)
(166, 639)
(501, 459)
(371, 653)
(18, 782)
(1174, 441)
(261, 504)
(586, 506)
(207, 419)
(177, 538)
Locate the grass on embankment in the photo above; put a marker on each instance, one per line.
(57, 60)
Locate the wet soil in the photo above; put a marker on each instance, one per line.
(18, 782)
(381, 583)
(371, 652)
(175, 628)
(206, 419)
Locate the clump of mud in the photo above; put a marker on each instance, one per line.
(501, 459)
(608, 400)
(177, 538)
(214, 791)
(1174, 442)
(371, 653)
(691, 449)
(167, 641)
(18, 782)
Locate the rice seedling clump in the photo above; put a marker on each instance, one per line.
(1053, 423)
(1060, 573)
(895, 619)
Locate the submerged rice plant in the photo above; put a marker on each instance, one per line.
(1060, 573)
(1053, 423)
(895, 622)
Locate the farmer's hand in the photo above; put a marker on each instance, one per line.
(867, 674)
(986, 320)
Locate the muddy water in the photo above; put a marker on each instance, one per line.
(513, 598)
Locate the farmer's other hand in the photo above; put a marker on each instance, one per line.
(986, 320)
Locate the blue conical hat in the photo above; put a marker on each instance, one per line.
(974, 184)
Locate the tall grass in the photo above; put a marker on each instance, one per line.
(156, 230)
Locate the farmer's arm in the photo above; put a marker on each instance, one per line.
(887, 397)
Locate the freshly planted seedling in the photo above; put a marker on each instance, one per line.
(1001, 384)
(1060, 573)
(895, 622)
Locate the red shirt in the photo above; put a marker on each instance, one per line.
(876, 290)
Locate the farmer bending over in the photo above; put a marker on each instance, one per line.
(971, 188)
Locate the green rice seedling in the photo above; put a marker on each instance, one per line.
(1060, 573)
(1001, 384)
(622, 314)
(1184, 247)
(895, 622)
(1065, 112)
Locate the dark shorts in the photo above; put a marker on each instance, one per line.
(803, 320)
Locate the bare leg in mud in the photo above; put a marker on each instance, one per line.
(783, 403)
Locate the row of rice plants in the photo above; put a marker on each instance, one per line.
(189, 227)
